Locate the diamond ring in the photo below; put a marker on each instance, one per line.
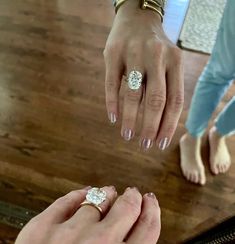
(135, 79)
(95, 196)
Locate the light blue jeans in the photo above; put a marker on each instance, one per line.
(215, 80)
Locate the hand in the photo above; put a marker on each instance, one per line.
(137, 42)
(130, 218)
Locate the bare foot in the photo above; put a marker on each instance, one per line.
(191, 162)
(220, 160)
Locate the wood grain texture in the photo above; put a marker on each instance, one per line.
(54, 131)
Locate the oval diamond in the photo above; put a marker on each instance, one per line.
(96, 196)
(135, 80)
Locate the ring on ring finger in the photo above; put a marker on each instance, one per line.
(135, 80)
(95, 196)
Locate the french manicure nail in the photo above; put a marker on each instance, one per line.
(146, 144)
(163, 143)
(151, 195)
(127, 134)
(112, 118)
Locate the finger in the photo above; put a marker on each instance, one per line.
(64, 207)
(148, 226)
(113, 77)
(155, 98)
(132, 100)
(123, 215)
(174, 105)
(88, 214)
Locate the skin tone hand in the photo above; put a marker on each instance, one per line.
(138, 42)
(129, 218)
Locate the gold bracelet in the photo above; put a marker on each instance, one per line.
(155, 5)
(118, 4)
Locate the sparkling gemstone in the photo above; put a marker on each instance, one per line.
(134, 80)
(96, 196)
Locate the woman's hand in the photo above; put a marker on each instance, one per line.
(138, 42)
(130, 218)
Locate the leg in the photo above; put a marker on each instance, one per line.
(220, 159)
(213, 83)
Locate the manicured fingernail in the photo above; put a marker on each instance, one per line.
(135, 188)
(146, 143)
(87, 188)
(163, 143)
(151, 195)
(131, 188)
(112, 118)
(127, 134)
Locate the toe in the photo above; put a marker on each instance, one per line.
(214, 169)
(220, 167)
(227, 166)
(188, 176)
(196, 178)
(202, 178)
(224, 166)
(191, 177)
(217, 169)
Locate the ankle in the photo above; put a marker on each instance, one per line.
(216, 134)
(192, 139)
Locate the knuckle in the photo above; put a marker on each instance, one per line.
(134, 45)
(156, 100)
(170, 129)
(156, 49)
(133, 96)
(176, 101)
(177, 53)
(149, 221)
(111, 85)
(134, 48)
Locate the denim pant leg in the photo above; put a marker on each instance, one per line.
(225, 122)
(216, 77)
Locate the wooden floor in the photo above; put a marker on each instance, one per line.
(54, 132)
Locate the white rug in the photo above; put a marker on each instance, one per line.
(201, 25)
